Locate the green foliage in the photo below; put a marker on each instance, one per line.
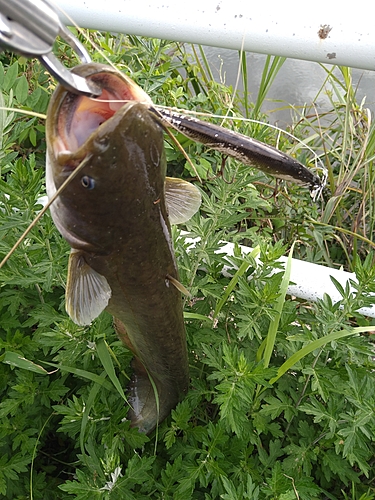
(281, 404)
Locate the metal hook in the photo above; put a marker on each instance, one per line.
(30, 28)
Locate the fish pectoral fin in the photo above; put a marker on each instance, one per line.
(182, 198)
(178, 285)
(87, 292)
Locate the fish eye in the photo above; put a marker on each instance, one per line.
(88, 182)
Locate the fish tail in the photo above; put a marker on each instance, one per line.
(150, 399)
(143, 397)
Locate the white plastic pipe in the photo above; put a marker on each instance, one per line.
(310, 281)
(323, 31)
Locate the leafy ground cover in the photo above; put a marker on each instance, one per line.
(282, 396)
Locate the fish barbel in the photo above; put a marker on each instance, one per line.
(115, 215)
(245, 149)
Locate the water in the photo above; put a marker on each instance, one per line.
(297, 83)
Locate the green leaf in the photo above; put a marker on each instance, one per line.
(14, 359)
(2, 119)
(335, 464)
(82, 489)
(10, 76)
(233, 282)
(276, 406)
(105, 358)
(22, 89)
(10, 469)
(32, 136)
(90, 402)
(239, 493)
(2, 74)
(202, 167)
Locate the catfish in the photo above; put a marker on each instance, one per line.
(116, 215)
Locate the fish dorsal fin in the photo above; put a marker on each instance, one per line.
(87, 292)
(182, 198)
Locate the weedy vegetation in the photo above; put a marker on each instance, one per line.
(282, 398)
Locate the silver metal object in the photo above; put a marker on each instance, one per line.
(30, 28)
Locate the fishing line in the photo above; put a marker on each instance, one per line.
(81, 31)
(175, 141)
(98, 49)
(187, 158)
(161, 122)
(197, 113)
(46, 207)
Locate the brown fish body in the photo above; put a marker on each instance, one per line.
(114, 216)
(143, 298)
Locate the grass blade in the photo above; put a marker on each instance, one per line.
(245, 83)
(201, 317)
(269, 74)
(272, 330)
(14, 359)
(83, 374)
(315, 345)
(105, 358)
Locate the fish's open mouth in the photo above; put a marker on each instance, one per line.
(79, 116)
